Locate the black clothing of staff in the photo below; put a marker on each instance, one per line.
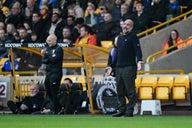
(53, 59)
(128, 49)
(33, 102)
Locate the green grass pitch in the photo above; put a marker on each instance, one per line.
(94, 121)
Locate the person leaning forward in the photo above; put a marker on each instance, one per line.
(53, 59)
(128, 61)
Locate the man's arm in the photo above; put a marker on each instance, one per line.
(57, 55)
(137, 48)
(112, 64)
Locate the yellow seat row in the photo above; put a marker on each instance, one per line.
(23, 88)
(163, 87)
(81, 79)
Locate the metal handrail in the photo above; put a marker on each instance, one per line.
(153, 56)
(34, 73)
(154, 29)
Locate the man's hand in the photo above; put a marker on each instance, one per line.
(139, 65)
(31, 66)
(53, 55)
(43, 51)
(24, 107)
(108, 71)
(44, 111)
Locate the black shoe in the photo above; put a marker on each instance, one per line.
(128, 115)
(118, 114)
(19, 111)
(62, 111)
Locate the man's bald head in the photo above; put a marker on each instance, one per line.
(129, 24)
(51, 40)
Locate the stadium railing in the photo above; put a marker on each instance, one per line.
(153, 57)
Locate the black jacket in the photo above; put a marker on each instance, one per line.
(53, 63)
(128, 50)
(33, 102)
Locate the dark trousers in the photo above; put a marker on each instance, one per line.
(15, 108)
(12, 106)
(52, 84)
(125, 78)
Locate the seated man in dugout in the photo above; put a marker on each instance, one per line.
(29, 104)
(47, 108)
(69, 99)
(73, 103)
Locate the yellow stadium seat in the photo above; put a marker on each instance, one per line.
(180, 87)
(137, 83)
(81, 79)
(163, 88)
(147, 86)
(2, 61)
(107, 44)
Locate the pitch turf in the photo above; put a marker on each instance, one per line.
(93, 121)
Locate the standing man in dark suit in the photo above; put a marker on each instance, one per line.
(53, 58)
(128, 61)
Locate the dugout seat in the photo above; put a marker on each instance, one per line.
(180, 87)
(146, 88)
(2, 61)
(138, 82)
(163, 87)
(81, 79)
